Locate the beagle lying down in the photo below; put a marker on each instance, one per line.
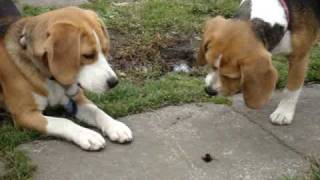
(48, 60)
(238, 50)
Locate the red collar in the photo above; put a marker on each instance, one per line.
(286, 9)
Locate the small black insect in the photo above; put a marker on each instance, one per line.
(207, 158)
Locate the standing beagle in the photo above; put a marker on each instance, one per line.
(48, 60)
(239, 51)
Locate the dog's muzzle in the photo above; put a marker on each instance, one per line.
(210, 91)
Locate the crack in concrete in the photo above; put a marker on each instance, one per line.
(279, 140)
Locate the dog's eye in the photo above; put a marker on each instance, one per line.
(89, 56)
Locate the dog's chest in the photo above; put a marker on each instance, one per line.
(56, 96)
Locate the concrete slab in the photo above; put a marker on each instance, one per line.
(304, 134)
(50, 3)
(169, 144)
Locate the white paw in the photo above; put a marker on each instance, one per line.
(88, 139)
(117, 131)
(282, 117)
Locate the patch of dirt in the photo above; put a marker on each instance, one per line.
(164, 52)
(180, 50)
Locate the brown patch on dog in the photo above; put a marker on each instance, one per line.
(17, 94)
(245, 64)
(206, 54)
(22, 60)
(63, 52)
(305, 30)
(258, 80)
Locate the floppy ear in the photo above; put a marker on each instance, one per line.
(208, 37)
(63, 52)
(201, 59)
(258, 80)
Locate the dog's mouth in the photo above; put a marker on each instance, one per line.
(214, 92)
(210, 91)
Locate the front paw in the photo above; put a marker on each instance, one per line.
(282, 117)
(118, 132)
(88, 139)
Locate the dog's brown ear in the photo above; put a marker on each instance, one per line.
(258, 80)
(201, 59)
(209, 34)
(63, 52)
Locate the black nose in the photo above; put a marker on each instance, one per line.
(210, 91)
(112, 82)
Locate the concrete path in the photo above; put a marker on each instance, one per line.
(170, 142)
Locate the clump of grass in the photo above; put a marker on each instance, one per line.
(313, 74)
(171, 89)
(313, 174)
(281, 65)
(18, 165)
(33, 11)
(315, 170)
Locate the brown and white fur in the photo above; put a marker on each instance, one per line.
(239, 51)
(48, 60)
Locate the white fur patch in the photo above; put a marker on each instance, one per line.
(94, 77)
(56, 96)
(285, 46)
(285, 111)
(115, 130)
(41, 101)
(87, 139)
(212, 80)
(270, 11)
(218, 61)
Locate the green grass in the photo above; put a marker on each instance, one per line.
(313, 74)
(18, 165)
(171, 89)
(313, 174)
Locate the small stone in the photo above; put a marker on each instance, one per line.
(182, 68)
(207, 158)
(122, 74)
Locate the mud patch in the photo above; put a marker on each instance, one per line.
(162, 53)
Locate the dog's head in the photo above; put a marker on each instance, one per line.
(239, 62)
(72, 45)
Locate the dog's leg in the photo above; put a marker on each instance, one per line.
(60, 127)
(87, 139)
(92, 115)
(302, 42)
(284, 113)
